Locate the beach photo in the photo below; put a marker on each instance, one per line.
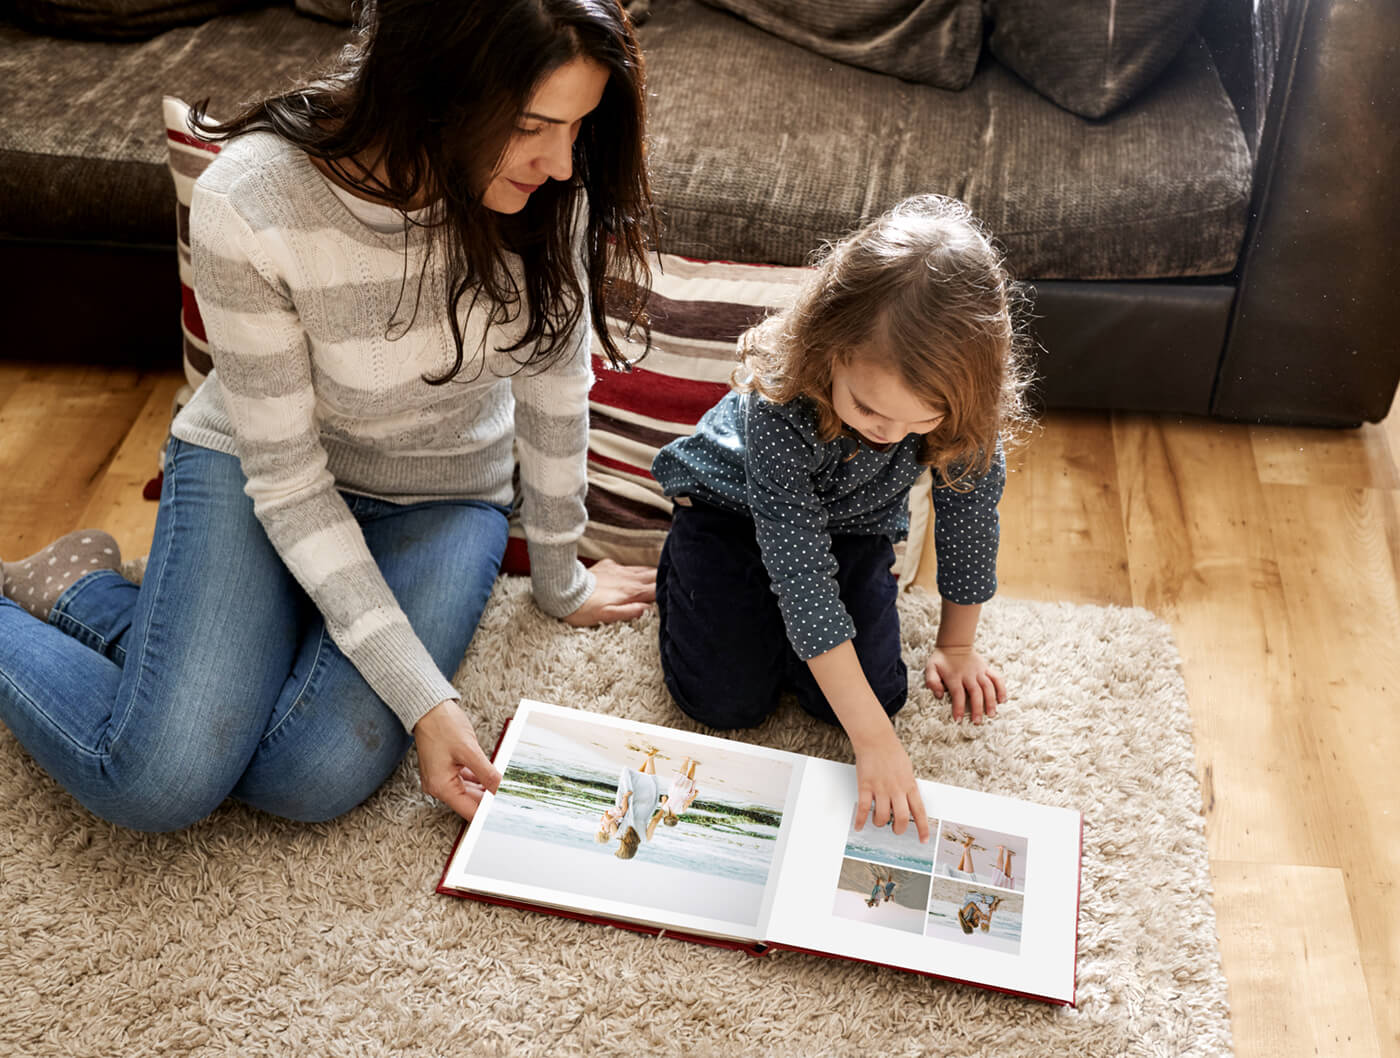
(880, 895)
(985, 857)
(655, 820)
(883, 845)
(976, 915)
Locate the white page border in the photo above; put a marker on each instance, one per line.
(802, 912)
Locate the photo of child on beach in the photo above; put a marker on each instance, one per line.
(979, 855)
(653, 820)
(976, 915)
(881, 895)
(884, 845)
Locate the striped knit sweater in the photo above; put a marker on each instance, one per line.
(320, 348)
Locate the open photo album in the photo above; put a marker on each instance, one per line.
(712, 840)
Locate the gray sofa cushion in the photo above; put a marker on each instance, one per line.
(120, 19)
(932, 42)
(809, 149)
(82, 146)
(1091, 56)
(341, 11)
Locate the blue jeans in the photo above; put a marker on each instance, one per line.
(216, 677)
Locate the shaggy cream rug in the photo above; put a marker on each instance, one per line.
(247, 935)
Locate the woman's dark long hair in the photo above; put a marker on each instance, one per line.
(433, 89)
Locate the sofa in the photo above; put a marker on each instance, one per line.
(1220, 241)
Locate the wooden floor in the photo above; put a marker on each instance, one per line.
(1274, 553)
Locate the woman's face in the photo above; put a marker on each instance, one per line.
(542, 147)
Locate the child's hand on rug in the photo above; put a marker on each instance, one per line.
(451, 764)
(622, 593)
(966, 677)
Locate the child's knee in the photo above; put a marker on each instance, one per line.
(723, 708)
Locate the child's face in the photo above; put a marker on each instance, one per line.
(542, 147)
(873, 400)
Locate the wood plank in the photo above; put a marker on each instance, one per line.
(1201, 555)
(1339, 557)
(117, 504)
(1061, 529)
(11, 375)
(1360, 458)
(56, 441)
(1290, 955)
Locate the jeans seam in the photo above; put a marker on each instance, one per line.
(270, 736)
(168, 481)
(70, 619)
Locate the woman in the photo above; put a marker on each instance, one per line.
(397, 266)
(635, 810)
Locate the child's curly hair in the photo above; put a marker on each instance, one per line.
(923, 288)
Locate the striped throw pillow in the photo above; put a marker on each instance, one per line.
(187, 155)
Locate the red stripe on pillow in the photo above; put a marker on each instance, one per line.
(189, 309)
(191, 141)
(656, 396)
(516, 560)
(617, 464)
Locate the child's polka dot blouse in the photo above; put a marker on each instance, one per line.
(764, 460)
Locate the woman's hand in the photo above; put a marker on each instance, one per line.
(622, 593)
(451, 765)
(964, 675)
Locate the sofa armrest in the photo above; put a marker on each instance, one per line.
(1313, 335)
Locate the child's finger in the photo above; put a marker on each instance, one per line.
(916, 805)
(996, 682)
(933, 682)
(899, 813)
(862, 807)
(989, 695)
(881, 815)
(974, 700)
(955, 692)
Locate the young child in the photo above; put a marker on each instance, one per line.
(899, 353)
(682, 793)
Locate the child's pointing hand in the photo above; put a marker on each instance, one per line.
(885, 777)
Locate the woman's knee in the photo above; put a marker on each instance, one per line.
(324, 777)
(162, 799)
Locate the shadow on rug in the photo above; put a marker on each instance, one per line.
(249, 935)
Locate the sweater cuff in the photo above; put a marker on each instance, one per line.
(404, 675)
(559, 580)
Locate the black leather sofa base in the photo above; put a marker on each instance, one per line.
(105, 304)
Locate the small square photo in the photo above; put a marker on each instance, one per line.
(883, 845)
(879, 895)
(982, 856)
(975, 915)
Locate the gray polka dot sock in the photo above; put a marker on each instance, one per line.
(36, 582)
